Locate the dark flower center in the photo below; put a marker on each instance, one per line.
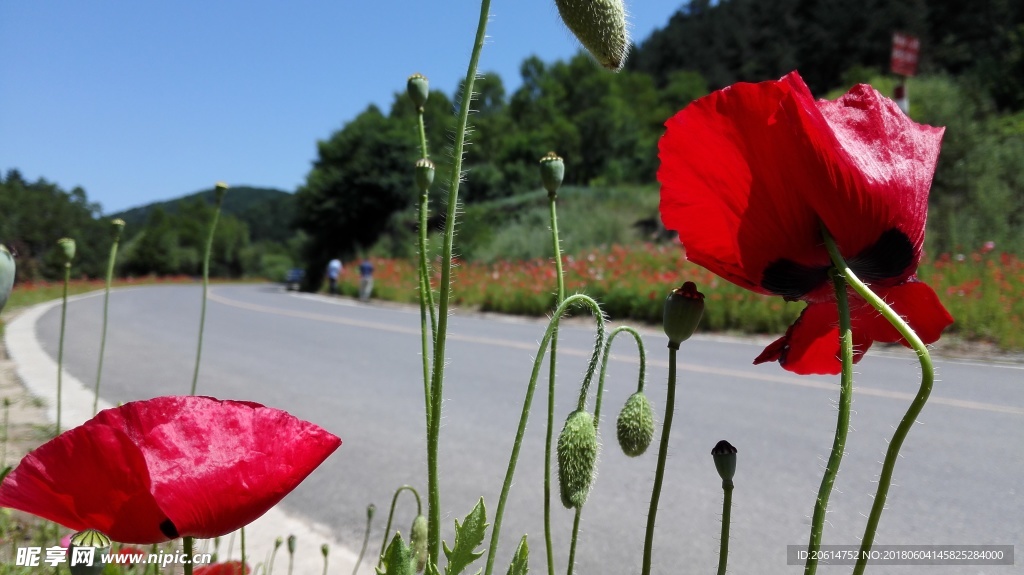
(168, 529)
(887, 258)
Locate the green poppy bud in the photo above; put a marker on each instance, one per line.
(68, 245)
(419, 89)
(577, 458)
(278, 542)
(291, 544)
(82, 565)
(325, 550)
(118, 225)
(552, 170)
(397, 558)
(683, 310)
(370, 510)
(635, 425)
(7, 269)
(424, 174)
(219, 190)
(725, 460)
(600, 25)
(418, 542)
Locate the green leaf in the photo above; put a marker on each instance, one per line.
(397, 558)
(521, 560)
(431, 569)
(468, 537)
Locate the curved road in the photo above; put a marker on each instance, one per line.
(355, 369)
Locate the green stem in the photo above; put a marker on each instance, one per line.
(391, 514)
(424, 213)
(927, 379)
(366, 537)
(575, 538)
(552, 365)
(723, 548)
(437, 377)
(604, 365)
(242, 537)
(517, 444)
(659, 474)
(842, 423)
(187, 550)
(206, 286)
(103, 330)
(60, 345)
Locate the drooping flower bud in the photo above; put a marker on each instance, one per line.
(84, 561)
(635, 425)
(67, 245)
(725, 460)
(424, 174)
(577, 458)
(600, 25)
(419, 89)
(7, 270)
(552, 170)
(418, 542)
(219, 190)
(683, 310)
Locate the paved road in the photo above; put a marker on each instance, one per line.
(355, 369)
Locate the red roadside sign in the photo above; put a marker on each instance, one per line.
(904, 54)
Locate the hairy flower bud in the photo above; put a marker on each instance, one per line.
(419, 89)
(552, 170)
(7, 269)
(68, 246)
(424, 174)
(725, 460)
(683, 310)
(397, 558)
(577, 458)
(600, 25)
(88, 538)
(418, 542)
(635, 425)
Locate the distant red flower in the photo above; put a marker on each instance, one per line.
(151, 471)
(229, 568)
(749, 175)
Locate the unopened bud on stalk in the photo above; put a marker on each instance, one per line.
(325, 550)
(419, 89)
(552, 170)
(635, 425)
(7, 271)
(600, 25)
(370, 510)
(68, 246)
(88, 538)
(683, 310)
(725, 460)
(418, 542)
(118, 224)
(291, 544)
(219, 190)
(577, 458)
(424, 174)
(278, 542)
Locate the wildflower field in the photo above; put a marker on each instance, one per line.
(981, 290)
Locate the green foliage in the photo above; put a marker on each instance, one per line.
(398, 558)
(468, 536)
(521, 560)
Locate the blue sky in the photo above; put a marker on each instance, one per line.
(144, 101)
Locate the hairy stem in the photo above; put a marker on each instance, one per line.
(206, 288)
(604, 365)
(391, 515)
(659, 473)
(723, 547)
(103, 330)
(552, 365)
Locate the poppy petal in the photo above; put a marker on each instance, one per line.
(228, 462)
(811, 344)
(150, 471)
(732, 171)
(89, 477)
(916, 302)
(877, 164)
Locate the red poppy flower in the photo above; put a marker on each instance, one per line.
(749, 174)
(151, 471)
(229, 568)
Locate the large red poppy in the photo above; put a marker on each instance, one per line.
(229, 568)
(150, 471)
(750, 173)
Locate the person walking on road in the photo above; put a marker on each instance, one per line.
(365, 280)
(333, 271)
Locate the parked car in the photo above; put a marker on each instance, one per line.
(293, 279)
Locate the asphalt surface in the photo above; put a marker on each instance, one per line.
(356, 370)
